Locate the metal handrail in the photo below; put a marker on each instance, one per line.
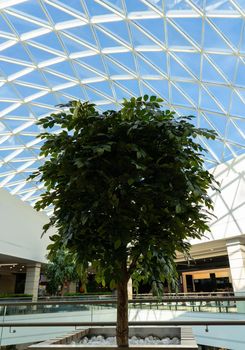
(132, 323)
(131, 301)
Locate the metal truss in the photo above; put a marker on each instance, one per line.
(189, 52)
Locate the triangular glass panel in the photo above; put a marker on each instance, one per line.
(161, 87)
(215, 7)
(209, 73)
(63, 68)
(132, 86)
(94, 96)
(62, 99)
(120, 93)
(234, 135)
(57, 15)
(96, 9)
(76, 92)
(39, 55)
(4, 26)
(49, 40)
(124, 58)
(54, 80)
(17, 51)
(230, 28)
(4, 105)
(187, 24)
(25, 91)
(178, 98)
(110, 106)
(154, 27)
(222, 94)
(157, 58)
(2, 40)
(72, 45)
(240, 124)
(83, 33)
(106, 40)
(177, 6)
(32, 9)
(218, 121)
(156, 3)
(238, 150)
(7, 91)
(139, 38)
(43, 110)
(240, 76)
(213, 41)
(146, 69)
(12, 141)
(115, 69)
(135, 6)
(117, 4)
(24, 139)
(226, 63)
(118, 29)
(237, 105)
(21, 26)
(94, 61)
(204, 122)
(228, 154)
(11, 124)
(208, 103)
(103, 86)
(217, 147)
(191, 61)
(176, 39)
(242, 46)
(5, 168)
(50, 100)
(9, 68)
(73, 5)
(21, 111)
(191, 89)
(35, 77)
(83, 72)
(176, 70)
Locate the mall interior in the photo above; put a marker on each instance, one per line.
(191, 53)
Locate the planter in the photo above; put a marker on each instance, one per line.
(187, 340)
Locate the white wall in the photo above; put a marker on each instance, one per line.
(229, 204)
(21, 229)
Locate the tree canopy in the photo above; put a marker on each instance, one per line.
(60, 269)
(128, 187)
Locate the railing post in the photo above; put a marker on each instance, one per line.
(4, 314)
(91, 313)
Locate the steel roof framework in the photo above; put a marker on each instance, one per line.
(191, 53)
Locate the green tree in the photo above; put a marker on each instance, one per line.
(128, 189)
(62, 268)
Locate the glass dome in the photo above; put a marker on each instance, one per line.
(189, 52)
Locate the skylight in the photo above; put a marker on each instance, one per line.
(191, 53)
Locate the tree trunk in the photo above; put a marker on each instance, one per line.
(122, 311)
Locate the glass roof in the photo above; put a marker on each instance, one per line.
(189, 52)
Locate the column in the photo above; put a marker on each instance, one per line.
(236, 255)
(130, 289)
(32, 280)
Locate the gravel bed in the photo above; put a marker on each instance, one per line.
(151, 340)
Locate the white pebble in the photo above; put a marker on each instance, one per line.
(101, 340)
